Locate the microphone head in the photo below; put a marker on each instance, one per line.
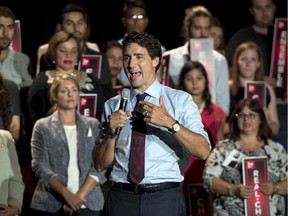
(125, 94)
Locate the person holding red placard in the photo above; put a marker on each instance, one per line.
(62, 54)
(249, 136)
(247, 65)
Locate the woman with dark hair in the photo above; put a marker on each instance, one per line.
(194, 80)
(217, 33)
(249, 136)
(10, 109)
(113, 50)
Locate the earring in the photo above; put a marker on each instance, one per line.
(53, 61)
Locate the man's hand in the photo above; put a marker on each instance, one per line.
(157, 115)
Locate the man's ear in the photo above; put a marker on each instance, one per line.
(155, 61)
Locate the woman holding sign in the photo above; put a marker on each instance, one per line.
(249, 136)
(63, 55)
(61, 156)
(247, 66)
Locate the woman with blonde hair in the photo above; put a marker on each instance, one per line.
(61, 156)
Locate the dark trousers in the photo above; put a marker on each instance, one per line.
(169, 202)
(81, 212)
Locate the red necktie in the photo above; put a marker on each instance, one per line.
(137, 152)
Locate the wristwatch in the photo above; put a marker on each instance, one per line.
(175, 127)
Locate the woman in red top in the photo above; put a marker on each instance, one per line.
(194, 80)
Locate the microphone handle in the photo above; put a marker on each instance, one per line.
(123, 105)
(117, 131)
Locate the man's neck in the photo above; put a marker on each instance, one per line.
(3, 54)
(82, 44)
(261, 30)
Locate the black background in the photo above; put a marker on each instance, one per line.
(38, 18)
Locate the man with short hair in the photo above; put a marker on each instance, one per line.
(134, 18)
(15, 66)
(74, 19)
(260, 32)
(158, 127)
(197, 24)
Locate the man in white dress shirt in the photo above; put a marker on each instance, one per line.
(197, 24)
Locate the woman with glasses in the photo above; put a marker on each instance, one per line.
(247, 65)
(249, 136)
(61, 156)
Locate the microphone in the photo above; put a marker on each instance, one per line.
(125, 94)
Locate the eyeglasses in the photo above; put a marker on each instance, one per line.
(134, 17)
(249, 116)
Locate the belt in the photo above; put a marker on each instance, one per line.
(145, 188)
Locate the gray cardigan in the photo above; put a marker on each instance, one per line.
(50, 158)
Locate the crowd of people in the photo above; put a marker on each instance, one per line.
(58, 158)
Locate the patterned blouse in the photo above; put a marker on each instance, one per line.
(277, 171)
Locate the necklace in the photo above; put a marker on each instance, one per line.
(58, 73)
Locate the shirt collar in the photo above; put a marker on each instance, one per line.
(152, 91)
(186, 48)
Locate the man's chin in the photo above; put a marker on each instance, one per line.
(79, 37)
(4, 46)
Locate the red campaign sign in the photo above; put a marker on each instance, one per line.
(255, 174)
(256, 90)
(200, 201)
(87, 104)
(278, 68)
(117, 90)
(91, 64)
(201, 49)
(164, 73)
(16, 42)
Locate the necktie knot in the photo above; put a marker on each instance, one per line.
(140, 97)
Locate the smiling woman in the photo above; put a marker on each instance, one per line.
(250, 136)
(63, 54)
